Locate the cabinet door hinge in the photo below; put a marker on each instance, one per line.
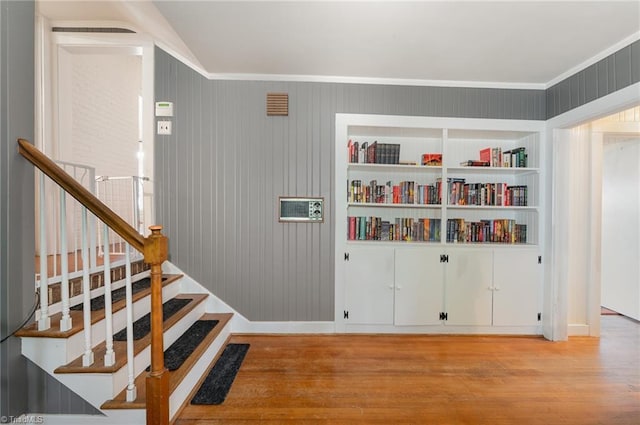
(539, 317)
(539, 259)
(346, 314)
(444, 258)
(346, 256)
(443, 316)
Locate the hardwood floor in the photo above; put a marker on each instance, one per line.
(434, 380)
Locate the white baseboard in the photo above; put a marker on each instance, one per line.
(578, 330)
(284, 327)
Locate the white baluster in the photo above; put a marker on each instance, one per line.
(44, 321)
(131, 387)
(87, 357)
(92, 224)
(65, 321)
(93, 243)
(109, 355)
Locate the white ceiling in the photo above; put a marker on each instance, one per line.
(501, 43)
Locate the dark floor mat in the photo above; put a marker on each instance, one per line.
(218, 382)
(142, 326)
(181, 349)
(116, 295)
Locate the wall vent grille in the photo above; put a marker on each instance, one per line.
(277, 104)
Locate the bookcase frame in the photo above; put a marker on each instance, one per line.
(457, 139)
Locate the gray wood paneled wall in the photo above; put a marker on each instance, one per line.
(16, 196)
(218, 178)
(24, 387)
(615, 72)
(47, 395)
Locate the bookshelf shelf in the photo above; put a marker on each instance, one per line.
(492, 207)
(394, 168)
(398, 227)
(387, 205)
(493, 170)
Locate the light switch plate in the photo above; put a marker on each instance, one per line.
(164, 128)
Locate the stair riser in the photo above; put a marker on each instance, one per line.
(182, 393)
(94, 387)
(48, 353)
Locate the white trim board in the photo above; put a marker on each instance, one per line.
(578, 330)
(374, 81)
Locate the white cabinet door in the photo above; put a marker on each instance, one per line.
(369, 286)
(516, 281)
(419, 286)
(468, 286)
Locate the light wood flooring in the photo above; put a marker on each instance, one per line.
(345, 379)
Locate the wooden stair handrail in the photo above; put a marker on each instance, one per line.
(81, 194)
(155, 250)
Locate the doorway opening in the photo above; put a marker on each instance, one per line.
(620, 269)
(96, 122)
(603, 220)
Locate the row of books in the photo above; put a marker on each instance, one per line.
(406, 192)
(496, 157)
(373, 153)
(496, 194)
(488, 231)
(401, 229)
(389, 153)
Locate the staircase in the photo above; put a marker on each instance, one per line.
(105, 387)
(109, 343)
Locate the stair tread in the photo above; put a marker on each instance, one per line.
(175, 377)
(120, 347)
(78, 318)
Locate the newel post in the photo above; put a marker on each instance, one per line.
(157, 383)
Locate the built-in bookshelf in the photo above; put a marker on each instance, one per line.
(480, 185)
(419, 195)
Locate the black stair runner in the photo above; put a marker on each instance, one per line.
(181, 349)
(117, 294)
(218, 382)
(142, 326)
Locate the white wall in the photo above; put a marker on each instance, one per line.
(99, 111)
(621, 226)
(104, 92)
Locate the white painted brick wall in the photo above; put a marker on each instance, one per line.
(105, 91)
